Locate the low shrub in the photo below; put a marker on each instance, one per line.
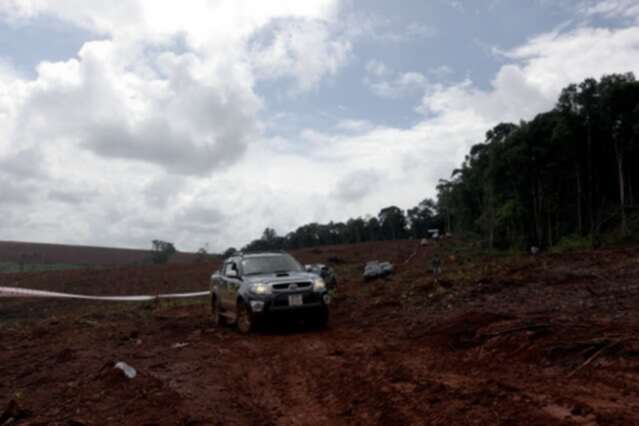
(571, 243)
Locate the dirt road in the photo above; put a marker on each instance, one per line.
(549, 340)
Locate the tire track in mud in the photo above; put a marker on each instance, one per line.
(331, 377)
(338, 373)
(283, 379)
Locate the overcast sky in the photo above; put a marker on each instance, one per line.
(203, 122)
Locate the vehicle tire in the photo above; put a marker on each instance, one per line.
(218, 319)
(245, 320)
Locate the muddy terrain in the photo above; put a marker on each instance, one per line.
(552, 339)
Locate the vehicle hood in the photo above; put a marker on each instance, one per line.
(275, 279)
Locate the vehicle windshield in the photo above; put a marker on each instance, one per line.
(270, 265)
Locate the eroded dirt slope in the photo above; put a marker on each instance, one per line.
(546, 340)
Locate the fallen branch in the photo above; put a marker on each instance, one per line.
(602, 278)
(411, 256)
(597, 342)
(516, 329)
(594, 356)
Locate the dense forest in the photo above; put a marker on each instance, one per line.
(566, 175)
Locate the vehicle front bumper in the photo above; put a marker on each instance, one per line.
(276, 303)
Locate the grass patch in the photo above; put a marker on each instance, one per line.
(571, 243)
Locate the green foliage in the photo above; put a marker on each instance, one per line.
(162, 251)
(202, 256)
(571, 243)
(531, 183)
(229, 252)
(423, 217)
(392, 222)
(562, 173)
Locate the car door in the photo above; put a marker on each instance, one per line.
(226, 283)
(217, 283)
(232, 284)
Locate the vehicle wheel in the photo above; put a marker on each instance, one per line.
(218, 318)
(245, 322)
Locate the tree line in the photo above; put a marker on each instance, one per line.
(568, 173)
(391, 223)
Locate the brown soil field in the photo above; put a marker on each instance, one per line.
(552, 339)
(41, 253)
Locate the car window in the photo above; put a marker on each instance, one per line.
(270, 265)
(229, 267)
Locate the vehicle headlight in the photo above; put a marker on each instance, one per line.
(319, 284)
(261, 288)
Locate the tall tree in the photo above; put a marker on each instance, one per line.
(392, 222)
(423, 217)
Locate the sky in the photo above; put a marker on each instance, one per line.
(204, 122)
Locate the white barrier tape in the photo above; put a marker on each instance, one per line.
(26, 292)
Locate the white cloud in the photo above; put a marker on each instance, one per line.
(14, 193)
(354, 125)
(441, 71)
(205, 24)
(380, 29)
(353, 187)
(456, 4)
(411, 32)
(386, 83)
(167, 91)
(539, 70)
(301, 49)
(155, 129)
(612, 9)
(376, 68)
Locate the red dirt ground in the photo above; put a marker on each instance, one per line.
(40, 253)
(518, 340)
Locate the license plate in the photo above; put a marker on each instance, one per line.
(295, 300)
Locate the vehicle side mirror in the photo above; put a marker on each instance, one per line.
(308, 268)
(232, 273)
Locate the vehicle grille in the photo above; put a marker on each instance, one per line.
(286, 286)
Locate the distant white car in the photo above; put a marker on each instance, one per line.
(434, 233)
(376, 269)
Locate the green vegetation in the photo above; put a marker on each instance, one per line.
(162, 251)
(571, 243)
(392, 223)
(563, 179)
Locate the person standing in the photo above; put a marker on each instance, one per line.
(436, 265)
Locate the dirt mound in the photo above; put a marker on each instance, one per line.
(461, 332)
